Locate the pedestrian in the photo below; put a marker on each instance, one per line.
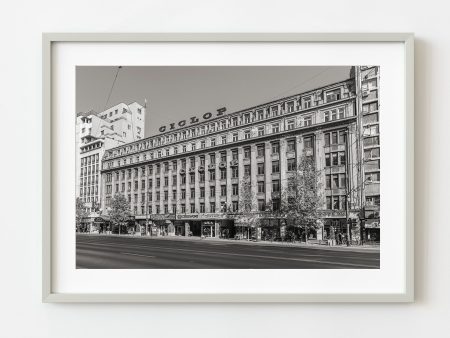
(339, 239)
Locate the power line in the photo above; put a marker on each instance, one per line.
(112, 87)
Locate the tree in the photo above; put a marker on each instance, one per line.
(80, 212)
(95, 206)
(120, 211)
(300, 200)
(247, 203)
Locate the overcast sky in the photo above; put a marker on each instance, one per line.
(176, 93)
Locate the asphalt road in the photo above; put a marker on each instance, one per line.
(111, 252)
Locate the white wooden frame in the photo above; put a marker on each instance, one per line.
(48, 295)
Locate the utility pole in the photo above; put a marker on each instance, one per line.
(347, 188)
(360, 154)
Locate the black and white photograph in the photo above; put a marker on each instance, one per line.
(227, 167)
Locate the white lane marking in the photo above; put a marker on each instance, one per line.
(253, 256)
(133, 254)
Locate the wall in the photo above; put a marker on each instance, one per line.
(23, 314)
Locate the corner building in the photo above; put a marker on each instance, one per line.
(187, 180)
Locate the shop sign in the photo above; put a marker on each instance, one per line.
(192, 120)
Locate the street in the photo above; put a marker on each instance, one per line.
(113, 252)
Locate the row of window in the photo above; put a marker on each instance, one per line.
(260, 152)
(87, 160)
(305, 102)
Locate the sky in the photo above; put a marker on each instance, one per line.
(175, 93)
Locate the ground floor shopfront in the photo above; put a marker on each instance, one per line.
(254, 227)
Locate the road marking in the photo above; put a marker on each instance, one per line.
(133, 254)
(248, 255)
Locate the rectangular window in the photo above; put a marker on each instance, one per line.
(234, 172)
(306, 102)
(202, 192)
(235, 137)
(213, 142)
(328, 181)
(212, 191)
(333, 95)
(202, 207)
(334, 157)
(342, 181)
(192, 208)
(328, 201)
(247, 134)
(291, 165)
(342, 158)
(247, 152)
(212, 175)
(260, 168)
(223, 173)
(275, 128)
(308, 142)
(291, 145)
(202, 177)
(260, 131)
(212, 207)
(192, 192)
(290, 124)
(183, 208)
(335, 181)
(235, 206)
(183, 194)
(336, 202)
(261, 186)
(307, 121)
(260, 150)
(166, 195)
(223, 156)
(290, 107)
(275, 167)
(166, 181)
(247, 170)
(275, 148)
(223, 190)
(275, 186)
(235, 189)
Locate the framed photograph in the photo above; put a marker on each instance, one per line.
(228, 167)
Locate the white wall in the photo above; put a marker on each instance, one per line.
(23, 314)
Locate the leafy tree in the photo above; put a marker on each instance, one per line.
(80, 212)
(248, 204)
(120, 211)
(95, 206)
(300, 200)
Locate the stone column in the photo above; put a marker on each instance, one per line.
(268, 171)
(217, 182)
(229, 170)
(207, 184)
(283, 164)
(197, 184)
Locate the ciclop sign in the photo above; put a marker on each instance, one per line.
(192, 120)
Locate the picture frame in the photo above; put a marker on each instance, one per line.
(49, 143)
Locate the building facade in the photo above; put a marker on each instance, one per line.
(95, 133)
(187, 180)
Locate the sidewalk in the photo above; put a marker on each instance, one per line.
(359, 248)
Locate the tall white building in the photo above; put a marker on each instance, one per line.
(97, 132)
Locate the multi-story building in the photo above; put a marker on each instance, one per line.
(95, 133)
(368, 81)
(187, 180)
